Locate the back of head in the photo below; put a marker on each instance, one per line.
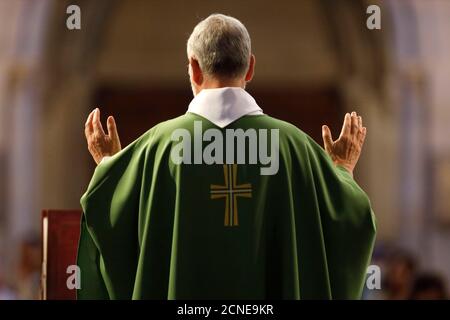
(222, 47)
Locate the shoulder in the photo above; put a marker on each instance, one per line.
(161, 130)
(171, 124)
(287, 130)
(293, 140)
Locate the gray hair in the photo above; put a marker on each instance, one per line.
(221, 45)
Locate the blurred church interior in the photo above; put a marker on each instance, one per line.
(316, 60)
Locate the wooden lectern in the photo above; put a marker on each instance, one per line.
(60, 235)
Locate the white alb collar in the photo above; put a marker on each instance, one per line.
(223, 106)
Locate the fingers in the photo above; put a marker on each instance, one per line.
(88, 128)
(362, 136)
(347, 126)
(327, 138)
(355, 125)
(360, 131)
(89, 119)
(98, 129)
(112, 128)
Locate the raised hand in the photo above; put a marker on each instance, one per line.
(101, 145)
(345, 151)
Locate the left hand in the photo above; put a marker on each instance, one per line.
(345, 151)
(101, 145)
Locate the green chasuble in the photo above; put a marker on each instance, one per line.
(153, 229)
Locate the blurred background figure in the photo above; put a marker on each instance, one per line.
(6, 290)
(403, 278)
(315, 61)
(22, 279)
(428, 286)
(29, 269)
(400, 273)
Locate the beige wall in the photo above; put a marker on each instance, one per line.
(147, 40)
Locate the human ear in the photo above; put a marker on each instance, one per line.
(196, 72)
(251, 68)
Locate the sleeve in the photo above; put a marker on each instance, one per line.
(108, 248)
(348, 225)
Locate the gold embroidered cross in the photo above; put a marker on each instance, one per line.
(231, 191)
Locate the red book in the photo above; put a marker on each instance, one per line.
(60, 235)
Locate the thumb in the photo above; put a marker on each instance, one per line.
(112, 129)
(327, 138)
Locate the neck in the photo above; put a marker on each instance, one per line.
(219, 83)
(212, 83)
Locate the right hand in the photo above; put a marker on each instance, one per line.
(345, 151)
(101, 145)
